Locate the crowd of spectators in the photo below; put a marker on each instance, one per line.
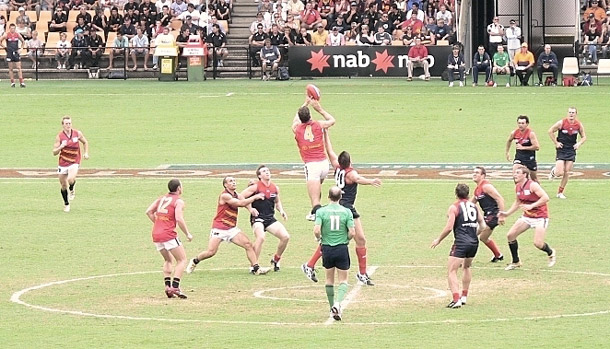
(594, 27)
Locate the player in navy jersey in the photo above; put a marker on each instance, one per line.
(12, 39)
(465, 221)
(347, 179)
(526, 146)
(262, 214)
(491, 203)
(566, 145)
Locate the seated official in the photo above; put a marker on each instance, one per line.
(547, 62)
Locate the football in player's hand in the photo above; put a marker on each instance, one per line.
(313, 92)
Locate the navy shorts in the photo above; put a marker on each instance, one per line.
(464, 251)
(530, 164)
(491, 220)
(566, 154)
(13, 56)
(335, 257)
(353, 209)
(267, 221)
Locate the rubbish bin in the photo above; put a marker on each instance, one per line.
(168, 59)
(196, 52)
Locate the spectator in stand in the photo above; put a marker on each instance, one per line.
(157, 29)
(62, 52)
(257, 40)
(310, 17)
(288, 39)
(303, 38)
(290, 23)
(223, 11)
(99, 21)
(372, 14)
(513, 38)
(139, 47)
(547, 62)
(213, 21)
(89, 4)
(384, 22)
(319, 37)
(294, 8)
(270, 57)
(396, 16)
(147, 4)
(365, 38)
(80, 49)
(130, 5)
(501, 61)
(605, 41)
(591, 39)
(335, 38)
(443, 31)
(159, 4)
(413, 22)
(163, 39)
(496, 32)
(118, 47)
(177, 7)
(524, 64)
(276, 19)
(86, 16)
(81, 25)
(342, 8)
(128, 29)
(115, 20)
(35, 48)
(217, 42)
(58, 21)
(164, 16)
(431, 11)
(352, 34)
(182, 40)
(597, 11)
(418, 57)
(353, 16)
(340, 24)
(275, 35)
(327, 11)
(265, 6)
(23, 30)
(381, 37)
(445, 14)
(456, 64)
(96, 49)
(415, 11)
(481, 62)
(188, 23)
(408, 39)
(23, 18)
(190, 12)
(259, 21)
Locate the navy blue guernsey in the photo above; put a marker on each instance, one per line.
(488, 204)
(349, 190)
(466, 223)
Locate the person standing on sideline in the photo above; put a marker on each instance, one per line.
(166, 212)
(464, 219)
(513, 38)
(532, 200)
(347, 179)
(309, 135)
(491, 203)
(224, 227)
(526, 146)
(67, 146)
(262, 214)
(334, 228)
(10, 42)
(496, 32)
(566, 146)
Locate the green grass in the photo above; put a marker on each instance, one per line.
(378, 121)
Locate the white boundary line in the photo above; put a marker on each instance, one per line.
(351, 295)
(16, 298)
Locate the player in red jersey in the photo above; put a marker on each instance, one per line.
(566, 145)
(224, 227)
(532, 200)
(309, 135)
(166, 212)
(347, 179)
(12, 39)
(491, 203)
(466, 222)
(262, 214)
(67, 145)
(526, 146)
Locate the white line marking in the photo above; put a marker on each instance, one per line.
(229, 94)
(351, 295)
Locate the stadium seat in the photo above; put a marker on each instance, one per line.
(70, 26)
(32, 15)
(570, 66)
(397, 43)
(603, 68)
(4, 14)
(224, 24)
(43, 21)
(175, 24)
(72, 16)
(110, 42)
(52, 40)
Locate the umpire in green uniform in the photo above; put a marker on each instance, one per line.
(334, 227)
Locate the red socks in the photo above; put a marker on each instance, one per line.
(276, 258)
(361, 253)
(316, 255)
(560, 190)
(493, 247)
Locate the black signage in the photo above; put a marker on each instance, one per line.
(361, 60)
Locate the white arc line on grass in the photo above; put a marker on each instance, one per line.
(351, 295)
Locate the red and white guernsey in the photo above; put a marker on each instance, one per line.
(164, 228)
(70, 154)
(310, 140)
(226, 215)
(526, 196)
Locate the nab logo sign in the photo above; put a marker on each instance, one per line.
(382, 61)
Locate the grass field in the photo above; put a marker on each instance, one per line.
(113, 295)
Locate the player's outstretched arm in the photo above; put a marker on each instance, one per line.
(332, 156)
(329, 120)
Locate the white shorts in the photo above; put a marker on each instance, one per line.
(224, 235)
(168, 245)
(535, 222)
(65, 169)
(316, 170)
